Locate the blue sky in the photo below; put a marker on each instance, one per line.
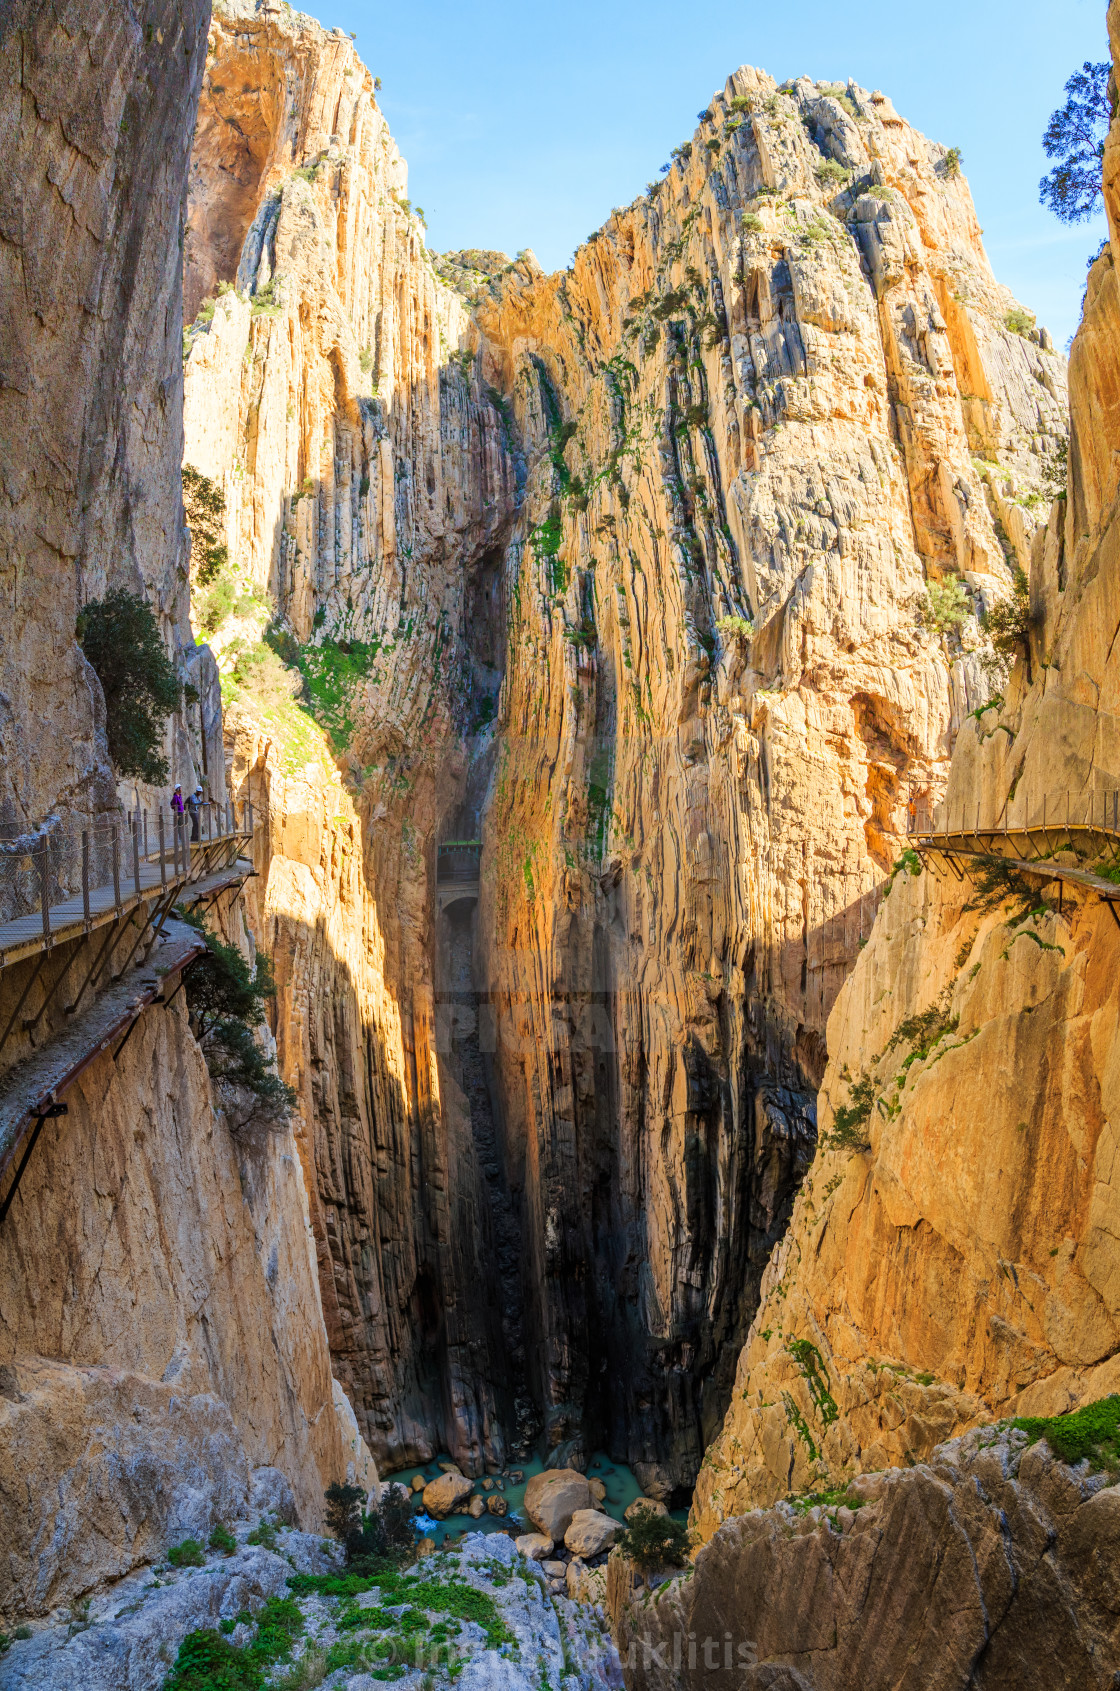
(524, 124)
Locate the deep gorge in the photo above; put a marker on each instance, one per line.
(624, 583)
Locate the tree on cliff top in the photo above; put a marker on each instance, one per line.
(120, 636)
(1075, 137)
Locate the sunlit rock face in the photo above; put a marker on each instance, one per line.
(963, 1266)
(634, 559)
(161, 1329)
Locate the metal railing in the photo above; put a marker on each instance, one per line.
(1032, 825)
(109, 863)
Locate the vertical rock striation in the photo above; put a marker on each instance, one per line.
(96, 115)
(961, 1265)
(625, 571)
(161, 1329)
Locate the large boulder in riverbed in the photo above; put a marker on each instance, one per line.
(445, 1495)
(591, 1532)
(535, 1545)
(552, 1498)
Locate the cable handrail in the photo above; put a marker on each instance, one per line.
(83, 874)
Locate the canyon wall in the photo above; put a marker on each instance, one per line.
(623, 571)
(962, 1266)
(162, 1345)
(96, 117)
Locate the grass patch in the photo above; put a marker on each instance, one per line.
(1091, 1433)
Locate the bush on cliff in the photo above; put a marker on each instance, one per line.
(120, 637)
(655, 1541)
(1092, 1432)
(226, 1000)
(384, 1537)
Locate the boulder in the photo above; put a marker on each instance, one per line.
(425, 1548)
(534, 1545)
(590, 1532)
(598, 1490)
(418, 1482)
(445, 1495)
(497, 1505)
(554, 1569)
(477, 1507)
(552, 1498)
(649, 1503)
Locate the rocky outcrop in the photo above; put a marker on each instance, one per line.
(986, 1567)
(961, 1265)
(625, 571)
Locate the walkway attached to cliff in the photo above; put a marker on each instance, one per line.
(1033, 847)
(458, 865)
(115, 870)
(32, 1093)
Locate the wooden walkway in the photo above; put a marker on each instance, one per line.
(70, 919)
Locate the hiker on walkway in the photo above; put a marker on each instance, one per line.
(194, 804)
(177, 801)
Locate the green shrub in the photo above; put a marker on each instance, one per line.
(189, 1554)
(948, 604)
(226, 1000)
(344, 1510)
(120, 637)
(953, 162)
(387, 1535)
(751, 222)
(1008, 623)
(263, 1535)
(655, 1541)
(831, 173)
(222, 1539)
(209, 1662)
(22, 1633)
(735, 628)
(1019, 321)
(849, 1124)
(1092, 1432)
(205, 505)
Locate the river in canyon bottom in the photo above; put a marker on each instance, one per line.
(621, 1490)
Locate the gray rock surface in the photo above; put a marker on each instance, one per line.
(991, 1568)
(135, 1628)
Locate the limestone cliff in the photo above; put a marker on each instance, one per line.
(96, 112)
(625, 571)
(962, 1267)
(162, 1345)
(984, 1570)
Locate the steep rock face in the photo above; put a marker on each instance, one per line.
(367, 482)
(96, 114)
(985, 1568)
(963, 1266)
(632, 563)
(761, 386)
(160, 1327)
(161, 1332)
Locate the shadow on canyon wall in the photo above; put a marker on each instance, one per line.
(462, 1275)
